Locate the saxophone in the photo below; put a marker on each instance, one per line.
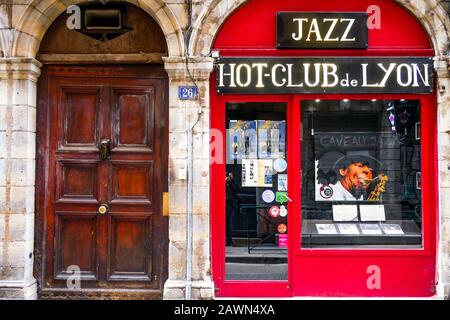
(379, 189)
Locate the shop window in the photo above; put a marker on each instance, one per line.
(256, 191)
(361, 173)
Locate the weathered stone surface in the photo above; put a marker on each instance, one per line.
(201, 173)
(23, 146)
(23, 172)
(18, 290)
(174, 289)
(177, 119)
(178, 145)
(201, 200)
(444, 173)
(177, 260)
(21, 227)
(444, 207)
(22, 200)
(177, 199)
(24, 118)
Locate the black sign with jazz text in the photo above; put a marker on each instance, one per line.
(288, 75)
(322, 30)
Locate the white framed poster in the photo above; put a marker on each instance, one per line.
(257, 173)
(372, 212)
(345, 212)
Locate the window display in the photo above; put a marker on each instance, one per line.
(256, 192)
(360, 165)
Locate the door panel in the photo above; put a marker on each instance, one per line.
(130, 254)
(131, 182)
(77, 181)
(126, 246)
(79, 115)
(76, 235)
(133, 122)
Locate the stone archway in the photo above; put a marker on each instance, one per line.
(39, 15)
(430, 13)
(19, 72)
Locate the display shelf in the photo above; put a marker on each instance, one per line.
(312, 238)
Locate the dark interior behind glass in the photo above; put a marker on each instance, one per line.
(361, 181)
(256, 137)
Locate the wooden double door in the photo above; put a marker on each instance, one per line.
(101, 173)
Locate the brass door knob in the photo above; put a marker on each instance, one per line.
(103, 209)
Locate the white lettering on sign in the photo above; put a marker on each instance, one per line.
(299, 35)
(275, 81)
(348, 74)
(248, 75)
(347, 30)
(329, 70)
(328, 29)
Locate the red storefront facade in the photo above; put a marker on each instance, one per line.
(344, 269)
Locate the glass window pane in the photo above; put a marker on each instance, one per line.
(256, 177)
(361, 163)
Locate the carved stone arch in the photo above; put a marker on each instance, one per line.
(3, 45)
(208, 24)
(434, 19)
(40, 14)
(430, 13)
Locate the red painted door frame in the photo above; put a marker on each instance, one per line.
(250, 31)
(405, 272)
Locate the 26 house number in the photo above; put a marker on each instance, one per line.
(187, 93)
(323, 35)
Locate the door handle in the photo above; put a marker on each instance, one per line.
(104, 149)
(103, 209)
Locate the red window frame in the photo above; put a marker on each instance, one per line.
(301, 268)
(326, 272)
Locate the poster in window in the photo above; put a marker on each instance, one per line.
(242, 139)
(282, 182)
(271, 139)
(257, 173)
(348, 165)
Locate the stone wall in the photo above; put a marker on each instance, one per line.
(18, 78)
(23, 24)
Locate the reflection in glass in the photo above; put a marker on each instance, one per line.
(360, 165)
(256, 185)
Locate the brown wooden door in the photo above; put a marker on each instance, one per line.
(123, 252)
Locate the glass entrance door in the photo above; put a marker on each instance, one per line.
(313, 196)
(256, 192)
(361, 166)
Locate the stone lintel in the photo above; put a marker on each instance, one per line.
(199, 67)
(20, 69)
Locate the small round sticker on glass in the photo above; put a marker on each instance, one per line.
(283, 211)
(280, 165)
(282, 228)
(268, 196)
(274, 211)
